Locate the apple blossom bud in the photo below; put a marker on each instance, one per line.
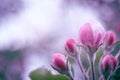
(59, 61)
(109, 38)
(91, 34)
(70, 45)
(107, 62)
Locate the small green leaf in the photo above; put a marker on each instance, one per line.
(116, 48)
(44, 74)
(71, 60)
(98, 56)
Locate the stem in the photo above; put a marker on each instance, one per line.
(109, 77)
(101, 78)
(80, 65)
(92, 68)
(68, 74)
(81, 68)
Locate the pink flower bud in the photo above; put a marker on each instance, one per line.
(108, 61)
(109, 38)
(91, 34)
(70, 45)
(59, 61)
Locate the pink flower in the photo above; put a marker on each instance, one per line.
(109, 38)
(91, 34)
(108, 61)
(70, 45)
(59, 61)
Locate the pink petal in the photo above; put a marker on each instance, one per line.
(59, 61)
(109, 38)
(86, 35)
(70, 45)
(107, 60)
(98, 40)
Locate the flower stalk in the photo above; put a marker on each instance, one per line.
(81, 68)
(92, 69)
(69, 75)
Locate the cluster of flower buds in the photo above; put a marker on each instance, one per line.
(92, 35)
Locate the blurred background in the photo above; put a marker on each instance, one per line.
(31, 30)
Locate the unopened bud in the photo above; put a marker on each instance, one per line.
(59, 61)
(108, 62)
(70, 46)
(109, 38)
(91, 34)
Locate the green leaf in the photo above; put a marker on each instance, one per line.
(116, 74)
(2, 75)
(71, 60)
(114, 77)
(116, 48)
(44, 74)
(117, 71)
(84, 60)
(98, 56)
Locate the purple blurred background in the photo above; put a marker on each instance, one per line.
(31, 30)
